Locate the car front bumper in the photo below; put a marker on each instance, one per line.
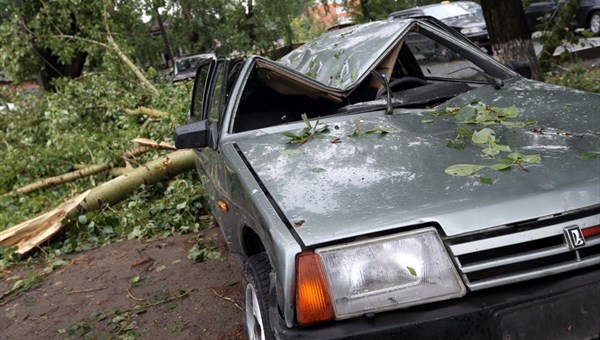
(480, 39)
(561, 306)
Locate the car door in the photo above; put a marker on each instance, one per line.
(211, 92)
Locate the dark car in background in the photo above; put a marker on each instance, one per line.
(587, 16)
(185, 67)
(469, 22)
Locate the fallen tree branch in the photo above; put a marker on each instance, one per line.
(85, 290)
(226, 298)
(152, 172)
(153, 144)
(146, 145)
(64, 178)
(144, 111)
(32, 233)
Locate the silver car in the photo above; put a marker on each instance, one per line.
(369, 190)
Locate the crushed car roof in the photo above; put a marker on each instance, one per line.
(341, 58)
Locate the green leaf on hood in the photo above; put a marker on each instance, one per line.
(464, 169)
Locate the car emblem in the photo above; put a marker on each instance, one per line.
(575, 237)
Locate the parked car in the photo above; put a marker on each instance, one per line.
(369, 192)
(587, 16)
(456, 15)
(185, 67)
(470, 6)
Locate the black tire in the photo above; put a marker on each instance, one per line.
(255, 297)
(594, 23)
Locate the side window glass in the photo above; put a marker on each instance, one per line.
(200, 88)
(217, 93)
(439, 61)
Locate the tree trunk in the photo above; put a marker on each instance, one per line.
(54, 68)
(250, 23)
(163, 33)
(364, 6)
(32, 233)
(186, 11)
(508, 33)
(119, 188)
(561, 27)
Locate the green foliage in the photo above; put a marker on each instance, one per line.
(203, 250)
(53, 38)
(479, 114)
(84, 123)
(576, 75)
(308, 133)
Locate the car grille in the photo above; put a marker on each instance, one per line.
(525, 250)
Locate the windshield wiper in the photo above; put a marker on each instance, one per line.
(497, 83)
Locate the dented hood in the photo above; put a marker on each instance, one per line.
(337, 186)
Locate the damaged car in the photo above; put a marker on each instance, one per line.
(369, 191)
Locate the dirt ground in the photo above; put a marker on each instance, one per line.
(128, 290)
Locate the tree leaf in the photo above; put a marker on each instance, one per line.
(411, 270)
(457, 144)
(532, 158)
(508, 112)
(486, 180)
(290, 134)
(463, 169)
(500, 166)
(588, 155)
(483, 136)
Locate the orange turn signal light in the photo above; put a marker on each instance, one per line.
(223, 206)
(313, 302)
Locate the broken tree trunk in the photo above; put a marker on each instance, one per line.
(145, 146)
(119, 188)
(32, 233)
(144, 111)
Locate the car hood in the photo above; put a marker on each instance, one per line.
(336, 186)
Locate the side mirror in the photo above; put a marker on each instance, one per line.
(521, 67)
(196, 135)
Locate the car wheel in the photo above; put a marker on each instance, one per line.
(595, 23)
(255, 295)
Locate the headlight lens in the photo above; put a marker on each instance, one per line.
(471, 30)
(389, 272)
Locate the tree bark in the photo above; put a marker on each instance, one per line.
(119, 188)
(364, 6)
(508, 33)
(250, 23)
(163, 33)
(32, 233)
(146, 145)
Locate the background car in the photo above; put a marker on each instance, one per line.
(185, 67)
(470, 6)
(461, 16)
(587, 16)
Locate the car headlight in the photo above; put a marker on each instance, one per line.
(389, 272)
(471, 30)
